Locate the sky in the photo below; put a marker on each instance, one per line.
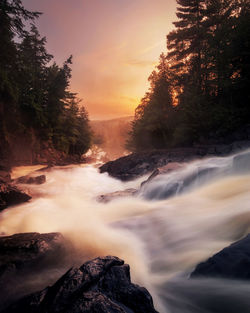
(115, 46)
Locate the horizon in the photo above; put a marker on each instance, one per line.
(115, 47)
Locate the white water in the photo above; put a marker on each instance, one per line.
(162, 240)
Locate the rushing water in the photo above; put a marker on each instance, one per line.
(162, 239)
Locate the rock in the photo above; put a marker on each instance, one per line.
(117, 194)
(38, 180)
(102, 285)
(26, 250)
(28, 262)
(11, 195)
(163, 170)
(233, 262)
(137, 164)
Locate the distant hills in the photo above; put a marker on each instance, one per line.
(111, 135)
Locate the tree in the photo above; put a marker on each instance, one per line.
(32, 76)
(35, 100)
(207, 83)
(153, 122)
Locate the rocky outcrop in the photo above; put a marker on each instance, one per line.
(23, 251)
(102, 285)
(233, 262)
(29, 262)
(37, 180)
(138, 164)
(117, 194)
(11, 195)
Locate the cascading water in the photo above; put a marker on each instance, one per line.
(163, 232)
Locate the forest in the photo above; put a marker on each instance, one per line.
(35, 100)
(199, 92)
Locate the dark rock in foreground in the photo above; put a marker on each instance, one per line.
(233, 262)
(102, 285)
(37, 180)
(24, 251)
(11, 195)
(29, 262)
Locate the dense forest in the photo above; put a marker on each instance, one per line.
(199, 91)
(35, 101)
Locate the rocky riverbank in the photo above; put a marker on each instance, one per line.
(137, 164)
(233, 262)
(102, 285)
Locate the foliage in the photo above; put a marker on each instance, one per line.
(34, 91)
(207, 82)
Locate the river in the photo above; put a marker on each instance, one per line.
(162, 239)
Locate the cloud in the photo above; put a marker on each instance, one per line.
(141, 63)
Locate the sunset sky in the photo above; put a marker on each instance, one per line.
(115, 46)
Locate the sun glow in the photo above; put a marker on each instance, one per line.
(115, 46)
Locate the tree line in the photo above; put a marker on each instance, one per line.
(200, 89)
(35, 99)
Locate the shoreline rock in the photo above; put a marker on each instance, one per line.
(232, 262)
(28, 262)
(25, 250)
(11, 195)
(135, 165)
(101, 285)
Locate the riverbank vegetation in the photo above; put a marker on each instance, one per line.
(35, 100)
(199, 91)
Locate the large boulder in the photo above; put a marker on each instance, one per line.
(11, 195)
(26, 250)
(232, 262)
(102, 285)
(29, 262)
(137, 164)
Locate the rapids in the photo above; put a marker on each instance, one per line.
(162, 239)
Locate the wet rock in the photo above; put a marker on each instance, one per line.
(28, 262)
(117, 194)
(22, 251)
(102, 285)
(11, 195)
(233, 262)
(174, 166)
(137, 164)
(37, 180)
